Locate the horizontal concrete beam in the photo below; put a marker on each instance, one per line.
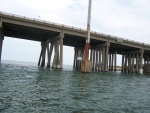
(134, 51)
(105, 44)
(61, 35)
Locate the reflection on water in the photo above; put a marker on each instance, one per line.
(31, 89)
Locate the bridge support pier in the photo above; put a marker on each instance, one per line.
(128, 61)
(42, 55)
(99, 57)
(1, 42)
(147, 68)
(141, 62)
(57, 44)
(133, 58)
(113, 61)
(137, 62)
(78, 56)
(123, 65)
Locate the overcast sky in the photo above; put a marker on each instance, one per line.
(123, 18)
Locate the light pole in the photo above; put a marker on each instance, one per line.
(86, 63)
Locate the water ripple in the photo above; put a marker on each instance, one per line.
(28, 88)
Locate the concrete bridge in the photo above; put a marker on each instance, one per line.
(103, 50)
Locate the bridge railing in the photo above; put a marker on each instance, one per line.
(76, 28)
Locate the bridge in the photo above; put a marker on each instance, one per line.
(103, 49)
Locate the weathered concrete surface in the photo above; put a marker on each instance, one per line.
(86, 66)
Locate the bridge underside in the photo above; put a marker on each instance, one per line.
(103, 51)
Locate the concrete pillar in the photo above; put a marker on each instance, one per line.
(103, 59)
(82, 55)
(56, 45)
(137, 62)
(122, 67)
(1, 42)
(125, 67)
(91, 55)
(77, 62)
(39, 62)
(50, 54)
(61, 50)
(44, 45)
(100, 59)
(115, 62)
(58, 56)
(147, 66)
(144, 63)
(133, 56)
(106, 59)
(141, 62)
(129, 63)
(79, 55)
(75, 58)
(93, 67)
(112, 62)
(96, 65)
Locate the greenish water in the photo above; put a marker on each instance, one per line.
(31, 89)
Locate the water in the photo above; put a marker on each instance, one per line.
(30, 89)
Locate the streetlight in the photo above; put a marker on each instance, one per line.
(86, 63)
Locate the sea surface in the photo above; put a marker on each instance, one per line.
(27, 88)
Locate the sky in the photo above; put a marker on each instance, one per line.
(123, 18)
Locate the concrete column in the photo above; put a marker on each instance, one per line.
(44, 45)
(56, 45)
(96, 65)
(129, 63)
(58, 56)
(39, 62)
(61, 50)
(103, 59)
(93, 60)
(144, 63)
(106, 59)
(125, 67)
(1, 43)
(115, 62)
(122, 67)
(74, 62)
(50, 52)
(77, 62)
(137, 62)
(147, 65)
(100, 59)
(79, 55)
(48, 55)
(91, 55)
(112, 62)
(141, 62)
(133, 56)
